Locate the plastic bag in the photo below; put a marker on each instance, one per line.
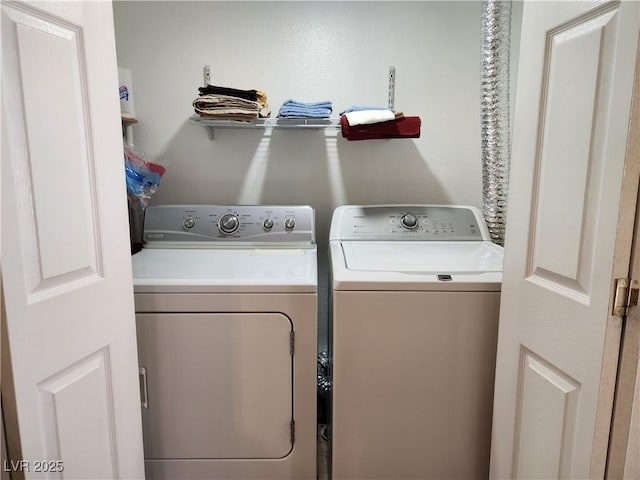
(143, 177)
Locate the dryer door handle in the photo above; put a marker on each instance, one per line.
(144, 391)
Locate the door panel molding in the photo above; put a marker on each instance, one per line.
(546, 418)
(62, 244)
(568, 164)
(65, 425)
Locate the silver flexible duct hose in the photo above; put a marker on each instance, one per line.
(324, 380)
(495, 131)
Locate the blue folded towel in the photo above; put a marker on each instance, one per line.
(321, 104)
(293, 108)
(358, 108)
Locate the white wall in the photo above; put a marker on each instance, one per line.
(308, 51)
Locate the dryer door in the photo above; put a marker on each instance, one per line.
(218, 385)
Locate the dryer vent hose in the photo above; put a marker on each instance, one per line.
(324, 381)
(495, 131)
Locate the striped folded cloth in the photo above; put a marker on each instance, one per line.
(255, 95)
(226, 107)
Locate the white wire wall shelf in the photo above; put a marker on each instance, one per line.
(267, 123)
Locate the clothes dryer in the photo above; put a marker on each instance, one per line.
(415, 298)
(226, 302)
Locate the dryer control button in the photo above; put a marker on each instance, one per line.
(409, 221)
(267, 224)
(189, 222)
(228, 224)
(289, 223)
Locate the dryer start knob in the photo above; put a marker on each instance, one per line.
(409, 221)
(290, 224)
(228, 224)
(189, 223)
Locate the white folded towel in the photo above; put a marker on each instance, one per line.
(365, 117)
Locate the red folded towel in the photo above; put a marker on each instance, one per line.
(404, 127)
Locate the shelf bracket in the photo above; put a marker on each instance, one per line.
(128, 134)
(206, 79)
(206, 74)
(392, 88)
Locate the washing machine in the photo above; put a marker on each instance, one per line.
(226, 315)
(414, 319)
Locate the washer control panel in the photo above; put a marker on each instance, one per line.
(209, 225)
(412, 222)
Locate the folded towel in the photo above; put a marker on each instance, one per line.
(227, 107)
(232, 92)
(293, 108)
(214, 100)
(404, 127)
(321, 104)
(357, 108)
(304, 113)
(365, 117)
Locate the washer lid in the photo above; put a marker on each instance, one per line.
(423, 257)
(225, 270)
(416, 266)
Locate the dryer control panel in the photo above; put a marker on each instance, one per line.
(210, 225)
(408, 222)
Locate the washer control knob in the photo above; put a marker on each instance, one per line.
(409, 221)
(228, 223)
(289, 224)
(189, 223)
(267, 224)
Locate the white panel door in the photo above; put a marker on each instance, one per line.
(65, 250)
(575, 82)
